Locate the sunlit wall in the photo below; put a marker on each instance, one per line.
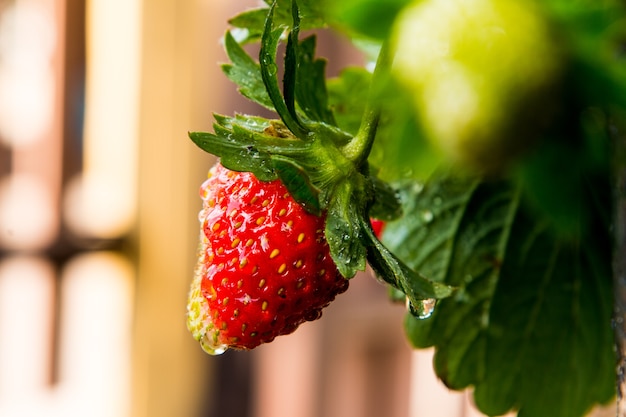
(67, 205)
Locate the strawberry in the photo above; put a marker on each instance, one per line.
(378, 226)
(264, 265)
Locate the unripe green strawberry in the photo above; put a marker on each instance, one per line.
(264, 266)
(484, 75)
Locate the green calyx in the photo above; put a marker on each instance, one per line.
(324, 167)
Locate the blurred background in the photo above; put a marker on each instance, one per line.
(98, 233)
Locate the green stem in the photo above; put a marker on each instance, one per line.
(358, 149)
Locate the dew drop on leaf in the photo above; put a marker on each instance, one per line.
(427, 216)
(272, 69)
(422, 311)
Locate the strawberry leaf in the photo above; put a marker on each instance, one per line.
(298, 184)
(310, 89)
(343, 231)
(235, 156)
(312, 12)
(531, 306)
(269, 71)
(252, 22)
(386, 204)
(303, 105)
(245, 72)
(395, 272)
(291, 65)
(552, 307)
(247, 143)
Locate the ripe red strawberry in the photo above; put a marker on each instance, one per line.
(378, 226)
(264, 265)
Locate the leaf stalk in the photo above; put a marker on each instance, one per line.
(359, 148)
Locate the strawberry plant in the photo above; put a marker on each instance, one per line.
(488, 140)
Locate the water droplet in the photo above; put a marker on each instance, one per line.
(427, 216)
(212, 349)
(272, 69)
(423, 310)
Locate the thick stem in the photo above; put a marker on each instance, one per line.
(619, 266)
(358, 149)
